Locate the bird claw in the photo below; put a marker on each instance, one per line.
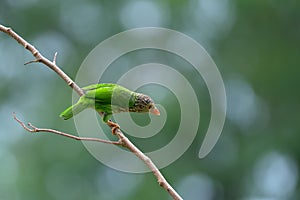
(114, 126)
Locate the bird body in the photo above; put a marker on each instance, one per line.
(109, 98)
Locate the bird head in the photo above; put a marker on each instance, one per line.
(144, 103)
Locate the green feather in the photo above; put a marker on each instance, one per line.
(82, 104)
(109, 98)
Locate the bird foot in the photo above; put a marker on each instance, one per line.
(114, 126)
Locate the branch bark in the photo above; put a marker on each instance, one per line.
(40, 58)
(33, 129)
(123, 140)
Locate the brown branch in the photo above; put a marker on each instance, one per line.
(40, 58)
(31, 128)
(123, 140)
(160, 178)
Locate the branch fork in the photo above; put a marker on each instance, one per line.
(123, 140)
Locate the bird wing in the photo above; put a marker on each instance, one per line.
(101, 93)
(96, 86)
(110, 94)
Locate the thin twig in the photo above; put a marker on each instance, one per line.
(123, 140)
(54, 58)
(33, 129)
(40, 58)
(29, 62)
(160, 178)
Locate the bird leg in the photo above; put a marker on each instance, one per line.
(114, 126)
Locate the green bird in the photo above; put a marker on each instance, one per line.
(109, 98)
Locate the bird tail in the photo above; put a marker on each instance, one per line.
(73, 110)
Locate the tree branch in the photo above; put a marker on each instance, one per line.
(40, 58)
(123, 140)
(31, 128)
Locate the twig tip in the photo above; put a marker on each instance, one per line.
(32, 61)
(54, 58)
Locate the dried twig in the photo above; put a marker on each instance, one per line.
(123, 140)
(54, 58)
(40, 58)
(33, 129)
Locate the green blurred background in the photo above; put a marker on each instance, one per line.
(256, 46)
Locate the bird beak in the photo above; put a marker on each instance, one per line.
(155, 111)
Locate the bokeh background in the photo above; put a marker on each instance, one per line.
(255, 45)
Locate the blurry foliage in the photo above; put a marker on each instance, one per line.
(255, 45)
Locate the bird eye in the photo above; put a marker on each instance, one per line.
(142, 106)
(150, 106)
